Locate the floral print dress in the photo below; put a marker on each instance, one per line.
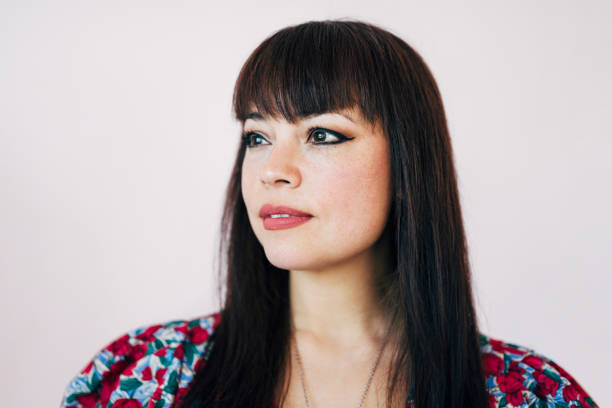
(152, 367)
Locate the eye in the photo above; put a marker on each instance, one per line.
(319, 136)
(249, 139)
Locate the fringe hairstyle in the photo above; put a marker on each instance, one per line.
(322, 66)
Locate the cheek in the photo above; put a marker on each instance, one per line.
(357, 197)
(247, 183)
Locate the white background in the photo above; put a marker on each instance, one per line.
(117, 138)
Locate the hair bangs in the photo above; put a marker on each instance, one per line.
(311, 69)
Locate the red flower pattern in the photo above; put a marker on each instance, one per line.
(162, 359)
(180, 395)
(149, 334)
(512, 384)
(147, 374)
(179, 352)
(157, 394)
(492, 364)
(120, 346)
(570, 393)
(546, 385)
(127, 403)
(87, 400)
(198, 335)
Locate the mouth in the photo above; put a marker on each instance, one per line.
(281, 211)
(282, 217)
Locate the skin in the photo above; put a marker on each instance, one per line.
(334, 258)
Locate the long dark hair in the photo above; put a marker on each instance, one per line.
(322, 66)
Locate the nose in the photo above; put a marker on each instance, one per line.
(281, 166)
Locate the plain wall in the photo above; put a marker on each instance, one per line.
(117, 139)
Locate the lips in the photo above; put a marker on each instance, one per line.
(268, 209)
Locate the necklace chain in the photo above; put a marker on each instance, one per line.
(372, 370)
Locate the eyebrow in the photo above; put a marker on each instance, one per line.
(254, 116)
(259, 116)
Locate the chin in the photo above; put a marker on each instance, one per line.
(293, 260)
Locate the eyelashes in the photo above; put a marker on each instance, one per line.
(315, 133)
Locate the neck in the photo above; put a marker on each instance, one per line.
(341, 303)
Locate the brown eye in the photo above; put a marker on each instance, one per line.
(325, 136)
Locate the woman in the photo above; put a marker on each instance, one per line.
(343, 253)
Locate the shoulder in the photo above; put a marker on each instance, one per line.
(518, 376)
(148, 366)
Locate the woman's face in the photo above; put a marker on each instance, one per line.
(333, 166)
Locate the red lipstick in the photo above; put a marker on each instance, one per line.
(280, 217)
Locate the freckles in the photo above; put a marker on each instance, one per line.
(371, 169)
(358, 189)
(247, 183)
(365, 187)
